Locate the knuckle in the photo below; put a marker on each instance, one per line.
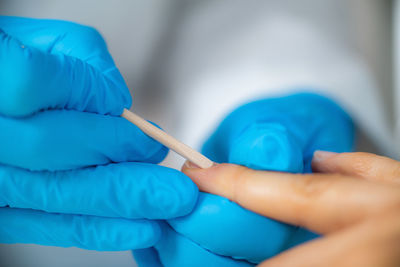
(311, 188)
(308, 191)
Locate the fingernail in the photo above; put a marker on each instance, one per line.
(191, 165)
(320, 155)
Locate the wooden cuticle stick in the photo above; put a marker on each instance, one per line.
(167, 140)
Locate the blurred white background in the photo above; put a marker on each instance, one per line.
(188, 63)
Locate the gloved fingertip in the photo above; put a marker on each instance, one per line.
(267, 146)
(138, 234)
(126, 99)
(147, 257)
(164, 192)
(182, 200)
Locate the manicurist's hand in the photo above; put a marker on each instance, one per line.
(72, 171)
(353, 200)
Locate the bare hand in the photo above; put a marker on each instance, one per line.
(353, 201)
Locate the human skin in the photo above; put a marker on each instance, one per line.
(351, 199)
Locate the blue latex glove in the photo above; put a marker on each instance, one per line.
(272, 134)
(72, 172)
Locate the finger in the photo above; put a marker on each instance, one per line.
(147, 257)
(177, 250)
(47, 70)
(321, 203)
(225, 228)
(126, 190)
(371, 243)
(364, 165)
(87, 232)
(63, 140)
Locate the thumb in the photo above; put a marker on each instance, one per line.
(266, 146)
(32, 80)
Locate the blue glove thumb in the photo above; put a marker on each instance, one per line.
(266, 146)
(49, 64)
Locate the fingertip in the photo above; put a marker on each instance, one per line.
(359, 164)
(188, 194)
(328, 161)
(127, 99)
(146, 257)
(218, 179)
(320, 155)
(153, 236)
(201, 177)
(128, 234)
(196, 173)
(132, 234)
(320, 160)
(140, 234)
(172, 195)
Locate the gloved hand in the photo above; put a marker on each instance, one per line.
(72, 172)
(273, 134)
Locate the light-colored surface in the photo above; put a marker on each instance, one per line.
(206, 57)
(40, 256)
